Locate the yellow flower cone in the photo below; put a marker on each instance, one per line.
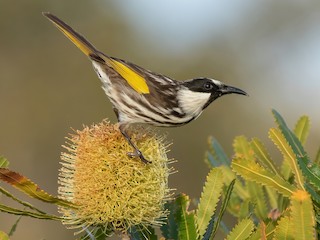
(110, 188)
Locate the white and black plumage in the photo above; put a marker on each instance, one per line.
(141, 96)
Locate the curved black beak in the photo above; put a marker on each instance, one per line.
(225, 89)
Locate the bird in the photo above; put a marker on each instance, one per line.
(141, 96)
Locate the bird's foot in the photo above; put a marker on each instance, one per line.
(139, 154)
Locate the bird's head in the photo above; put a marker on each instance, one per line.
(197, 94)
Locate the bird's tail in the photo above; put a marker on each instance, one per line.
(134, 79)
(83, 44)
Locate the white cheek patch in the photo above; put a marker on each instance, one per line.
(192, 102)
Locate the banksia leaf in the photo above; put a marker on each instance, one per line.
(317, 159)
(258, 198)
(302, 157)
(239, 189)
(209, 234)
(223, 208)
(291, 137)
(284, 229)
(141, 233)
(252, 171)
(302, 128)
(314, 194)
(263, 155)
(302, 216)
(263, 231)
(242, 230)
(272, 197)
(242, 148)
(245, 209)
(26, 204)
(216, 220)
(14, 226)
(28, 187)
(19, 212)
(280, 141)
(209, 199)
(3, 236)
(185, 219)
(169, 230)
(312, 172)
(218, 155)
(286, 170)
(3, 162)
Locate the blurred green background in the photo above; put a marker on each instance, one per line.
(271, 49)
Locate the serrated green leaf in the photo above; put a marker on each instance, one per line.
(314, 194)
(142, 233)
(252, 171)
(283, 203)
(312, 172)
(263, 156)
(218, 152)
(15, 211)
(211, 161)
(315, 169)
(286, 170)
(245, 209)
(228, 176)
(290, 137)
(28, 187)
(272, 197)
(317, 159)
(302, 128)
(302, 215)
(4, 163)
(208, 235)
(215, 221)
(263, 231)
(223, 208)
(302, 157)
(26, 204)
(169, 230)
(258, 198)
(3, 236)
(242, 230)
(14, 226)
(234, 204)
(242, 148)
(185, 219)
(279, 140)
(283, 229)
(209, 199)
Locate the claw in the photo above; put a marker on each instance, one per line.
(137, 153)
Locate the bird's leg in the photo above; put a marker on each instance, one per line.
(137, 152)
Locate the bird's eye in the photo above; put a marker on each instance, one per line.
(208, 86)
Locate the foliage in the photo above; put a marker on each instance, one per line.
(269, 199)
(281, 200)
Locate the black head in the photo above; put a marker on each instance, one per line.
(214, 87)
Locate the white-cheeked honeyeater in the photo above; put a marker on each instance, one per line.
(141, 96)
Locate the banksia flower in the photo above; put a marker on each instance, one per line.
(110, 188)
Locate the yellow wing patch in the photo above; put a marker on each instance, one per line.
(136, 81)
